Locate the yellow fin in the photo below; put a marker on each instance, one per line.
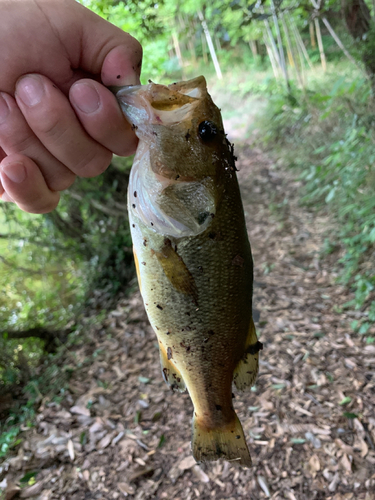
(176, 271)
(227, 443)
(171, 374)
(246, 371)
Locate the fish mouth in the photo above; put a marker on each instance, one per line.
(155, 104)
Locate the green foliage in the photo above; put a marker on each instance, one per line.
(327, 132)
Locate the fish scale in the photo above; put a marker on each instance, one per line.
(193, 256)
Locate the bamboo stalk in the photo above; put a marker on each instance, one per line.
(272, 44)
(320, 44)
(300, 54)
(300, 42)
(253, 47)
(210, 45)
(339, 42)
(204, 48)
(177, 49)
(312, 35)
(292, 60)
(271, 58)
(280, 44)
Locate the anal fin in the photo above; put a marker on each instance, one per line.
(246, 371)
(171, 374)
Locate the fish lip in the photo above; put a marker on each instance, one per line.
(138, 103)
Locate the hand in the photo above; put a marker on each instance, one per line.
(57, 119)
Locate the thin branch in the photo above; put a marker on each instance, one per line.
(339, 42)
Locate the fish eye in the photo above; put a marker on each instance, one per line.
(207, 131)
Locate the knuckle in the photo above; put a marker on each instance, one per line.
(95, 163)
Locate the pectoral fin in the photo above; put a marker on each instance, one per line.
(170, 373)
(176, 271)
(246, 371)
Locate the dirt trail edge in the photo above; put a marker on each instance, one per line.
(310, 422)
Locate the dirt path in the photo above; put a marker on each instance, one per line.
(120, 432)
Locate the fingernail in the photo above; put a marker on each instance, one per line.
(6, 197)
(15, 172)
(4, 109)
(85, 97)
(30, 90)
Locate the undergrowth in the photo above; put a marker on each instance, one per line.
(327, 133)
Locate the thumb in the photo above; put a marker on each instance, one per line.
(109, 51)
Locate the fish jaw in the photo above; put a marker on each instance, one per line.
(146, 106)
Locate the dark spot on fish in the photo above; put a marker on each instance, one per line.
(178, 379)
(158, 306)
(187, 136)
(165, 374)
(168, 333)
(202, 217)
(205, 340)
(200, 269)
(152, 223)
(169, 355)
(186, 347)
(238, 437)
(154, 133)
(218, 407)
(177, 177)
(187, 313)
(238, 261)
(255, 348)
(134, 126)
(145, 242)
(135, 194)
(233, 396)
(133, 225)
(118, 77)
(149, 81)
(212, 216)
(143, 263)
(212, 235)
(211, 332)
(133, 205)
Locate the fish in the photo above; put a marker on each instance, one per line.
(193, 256)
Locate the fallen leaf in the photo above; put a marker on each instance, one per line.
(32, 491)
(263, 484)
(187, 463)
(314, 465)
(126, 488)
(80, 410)
(200, 474)
(70, 447)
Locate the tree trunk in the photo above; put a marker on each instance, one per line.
(360, 25)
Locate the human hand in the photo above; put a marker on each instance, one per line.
(57, 118)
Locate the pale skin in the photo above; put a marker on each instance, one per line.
(57, 118)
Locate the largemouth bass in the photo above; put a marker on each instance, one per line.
(193, 256)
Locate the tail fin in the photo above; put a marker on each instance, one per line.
(227, 443)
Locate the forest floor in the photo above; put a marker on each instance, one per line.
(310, 420)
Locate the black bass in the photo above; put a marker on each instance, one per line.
(193, 256)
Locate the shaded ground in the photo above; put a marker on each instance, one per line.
(310, 420)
